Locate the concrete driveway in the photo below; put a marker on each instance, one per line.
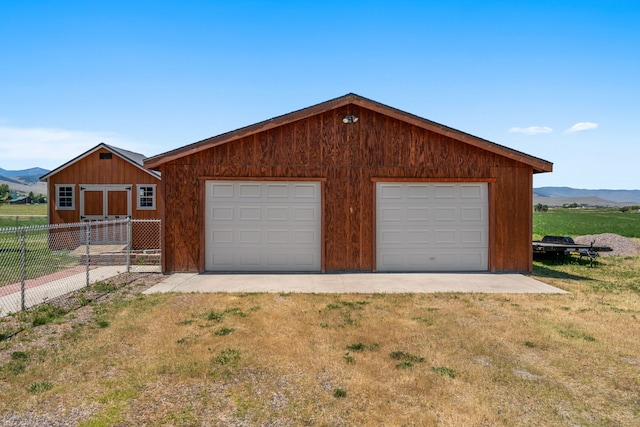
(354, 283)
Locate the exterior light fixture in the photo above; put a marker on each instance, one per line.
(350, 118)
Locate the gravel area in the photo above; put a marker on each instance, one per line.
(620, 245)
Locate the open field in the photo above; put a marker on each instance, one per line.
(369, 359)
(22, 215)
(579, 222)
(40, 209)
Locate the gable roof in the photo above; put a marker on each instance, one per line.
(538, 165)
(136, 159)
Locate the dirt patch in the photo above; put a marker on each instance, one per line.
(620, 245)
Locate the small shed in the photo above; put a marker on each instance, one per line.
(347, 185)
(106, 182)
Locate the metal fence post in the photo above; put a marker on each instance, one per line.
(88, 240)
(129, 242)
(22, 270)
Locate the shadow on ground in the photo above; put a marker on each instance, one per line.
(547, 267)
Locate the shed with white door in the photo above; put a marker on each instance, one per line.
(347, 185)
(103, 183)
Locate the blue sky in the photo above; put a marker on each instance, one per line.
(556, 79)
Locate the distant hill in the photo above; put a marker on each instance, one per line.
(25, 180)
(9, 180)
(25, 175)
(558, 196)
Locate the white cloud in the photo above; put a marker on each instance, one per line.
(532, 130)
(22, 148)
(581, 126)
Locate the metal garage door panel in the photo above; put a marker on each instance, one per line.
(431, 226)
(263, 226)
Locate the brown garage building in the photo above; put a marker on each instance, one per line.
(347, 185)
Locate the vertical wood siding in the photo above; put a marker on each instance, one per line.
(348, 156)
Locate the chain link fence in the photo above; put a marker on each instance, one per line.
(39, 263)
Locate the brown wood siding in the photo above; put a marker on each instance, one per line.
(513, 207)
(349, 157)
(95, 171)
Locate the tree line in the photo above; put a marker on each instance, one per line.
(6, 194)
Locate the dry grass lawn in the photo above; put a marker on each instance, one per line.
(298, 359)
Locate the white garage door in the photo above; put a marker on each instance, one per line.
(262, 226)
(431, 226)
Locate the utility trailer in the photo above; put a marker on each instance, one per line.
(565, 246)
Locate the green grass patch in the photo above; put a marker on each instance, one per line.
(217, 316)
(362, 347)
(19, 355)
(40, 387)
(407, 360)
(104, 287)
(42, 314)
(227, 357)
(574, 331)
(339, 393)
(443, 371)
(14, 367)
(580, 222)
(224, 331)
(102, 323)
(349, 360)
(611, 275)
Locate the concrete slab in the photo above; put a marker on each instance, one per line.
(353, 283)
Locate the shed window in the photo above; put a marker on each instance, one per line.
(105, 156)
(147, 196)
(65, 197)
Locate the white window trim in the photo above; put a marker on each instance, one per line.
(73, 197)
(153, 197)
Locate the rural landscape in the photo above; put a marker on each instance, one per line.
(283, 214)
(111, 355)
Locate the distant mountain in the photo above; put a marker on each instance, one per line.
(23, 173)
(25, 180)
(557, 196)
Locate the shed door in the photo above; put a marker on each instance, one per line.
(99, 202)
(431, 226)
(92, 205)
(118, 203)
(263, 226)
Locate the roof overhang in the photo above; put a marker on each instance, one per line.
(115, 150)
(538, 165)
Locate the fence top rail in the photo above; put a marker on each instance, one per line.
(74, 224)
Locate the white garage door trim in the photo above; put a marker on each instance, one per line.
(255, 226)
(431, 226)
